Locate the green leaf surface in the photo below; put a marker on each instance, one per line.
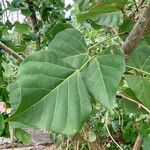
(96, 11)
(129, 106)
(71, 47)
(25, 11)
(51, 85)
(109, 19)
(83, 4)
(58, 88)
(2, 125)
(102, 77)
(119, 3)
(22, 28)
(140, 86)
(146, 143)
(14, 46)
(140, 58)
(15, 96)
(22, 136)
(144, 129)
(54, 29)
(126, 27)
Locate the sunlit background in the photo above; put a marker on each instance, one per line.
(17, 16)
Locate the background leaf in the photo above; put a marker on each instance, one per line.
(141, 58)
(109, 19)
(2, 125)
(96, 11)
(146, 143)
(140, 86)
(22, 136)
(22, 28)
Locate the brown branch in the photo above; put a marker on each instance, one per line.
(142, 25)
(137, 32)
(10, 52)
(138, 143)
(34, 21)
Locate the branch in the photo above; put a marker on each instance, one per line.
(106, 122)
(34, 20)
(138, 143)
(137, 32)
(10, 52)
(134, 101)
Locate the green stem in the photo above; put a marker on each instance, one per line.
(105, 40)
(139, 70)
(85, 63)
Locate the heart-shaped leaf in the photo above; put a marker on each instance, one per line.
(52, 91)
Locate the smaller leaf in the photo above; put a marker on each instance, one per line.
(22, 136)
(83, 4)
(130, 107)
(25, 11)
(96, 11)
(140, 86)
(119, 3)
(129, 134)
(109, 19)
(146, 143)
(144, 129)
(2, 125)
(22, 28)
(126, 27)
(140, 58)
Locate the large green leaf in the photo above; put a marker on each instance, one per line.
(109, 19)
(140, 58)
(96, 11)
(103, 75)
(51, 90)
(2, 125)
(51, 85)
(140, 86)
